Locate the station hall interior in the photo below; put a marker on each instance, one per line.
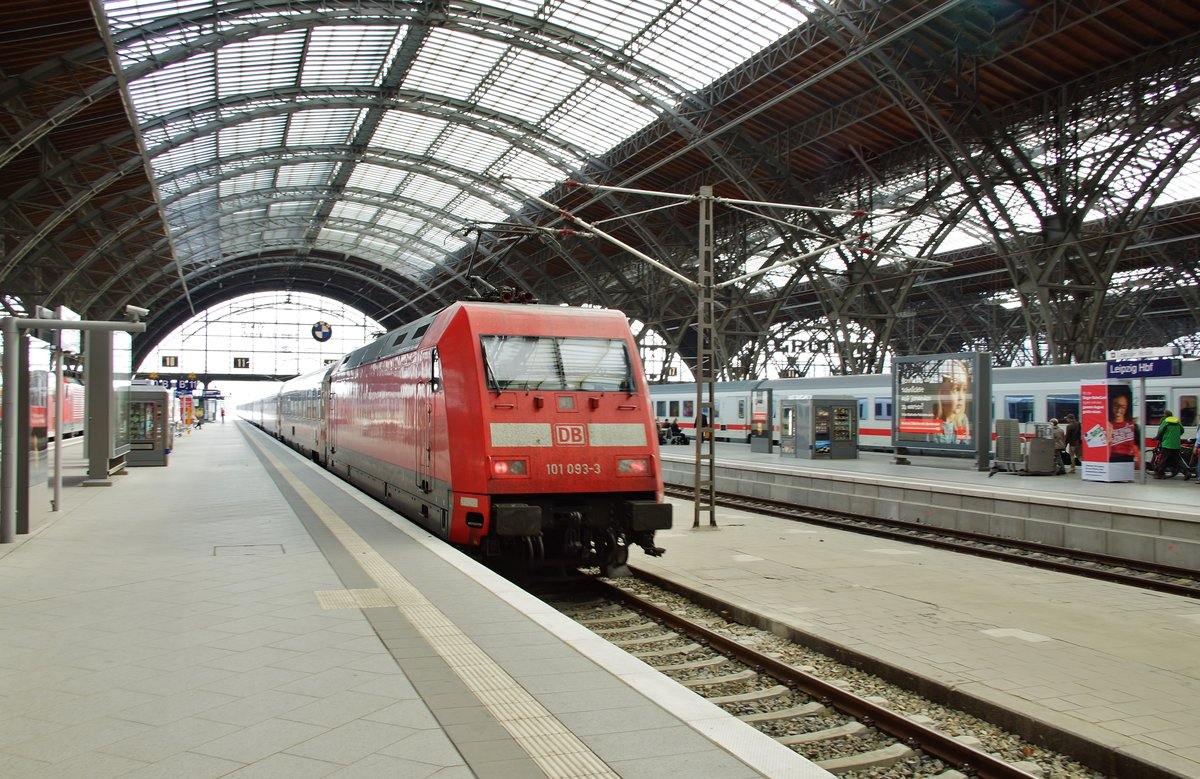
(205, 199)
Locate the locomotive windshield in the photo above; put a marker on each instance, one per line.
(524, 362)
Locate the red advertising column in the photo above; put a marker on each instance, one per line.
(1110, 436)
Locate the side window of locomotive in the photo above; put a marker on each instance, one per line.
(883, 408)
(435, 371)
(1018, 407)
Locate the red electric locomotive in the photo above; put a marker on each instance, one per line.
(522, 432)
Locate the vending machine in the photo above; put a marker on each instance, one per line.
(151, 434)
(823, 428)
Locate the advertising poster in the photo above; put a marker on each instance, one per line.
(1111, 440)
(760, 407)
(934, 397)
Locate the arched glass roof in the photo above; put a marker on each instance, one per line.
(386, 129)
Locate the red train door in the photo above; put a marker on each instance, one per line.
(426, 388)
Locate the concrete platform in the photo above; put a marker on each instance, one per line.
(1079, 663)
(242, 613)
(1155, 521)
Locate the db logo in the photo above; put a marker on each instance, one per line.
(570, 435)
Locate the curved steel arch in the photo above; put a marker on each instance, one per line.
(169, 271)
(387, 289)
(208, 297)
(274, 102)
(162, 243)
(608, 63)
(337, 152)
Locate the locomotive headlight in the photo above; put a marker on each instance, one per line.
(633, 466)
(510, 468)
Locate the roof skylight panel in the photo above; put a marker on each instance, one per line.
(304, 174)
(424, 189)
(202, 149)
(472, 150)
(376, 178)
(321, 126)
(1184, 185)
(407, 132)
(264, 133)
(182, 85)
(603, 118)
(255, 213)
(123, 14)
(141, 49)
(475, 209)
(528, 173)
(713, 36)
(453, 64)
(525, 7)
(401, 221)
(347, 55)
(611, 22)
(262, 63)
(251, 181)
(399, 253)
(357, 211)
(530, 86)
(333, 235)
(285, 209)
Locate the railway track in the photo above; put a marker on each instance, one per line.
(846, 721)
(1176, 581)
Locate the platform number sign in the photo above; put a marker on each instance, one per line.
(241, 362)
(321, 331)
(170, 361)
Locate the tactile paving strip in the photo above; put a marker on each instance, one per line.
(557, 751)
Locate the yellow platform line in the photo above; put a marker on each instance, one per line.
(557, 751)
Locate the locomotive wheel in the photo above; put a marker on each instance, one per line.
(616, 558)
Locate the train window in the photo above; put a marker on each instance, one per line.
(1156, 409)
(1018, 407)
(528, 362)
(674, 409)
(1058, 406)
(741, 409)
(420, 331)
(862, 408)
(1187, 410)
(883, 408)
(689, 409)
(660, 408)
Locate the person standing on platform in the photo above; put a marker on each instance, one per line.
(222, 416)
(1074, 436)
(1170, 436)
(1060, 444)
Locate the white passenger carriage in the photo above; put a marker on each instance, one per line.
(1029, 394)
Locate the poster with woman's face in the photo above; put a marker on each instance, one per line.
(1122, 444)
(934, 398)
(1109, 435)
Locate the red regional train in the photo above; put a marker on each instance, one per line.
(42, 400)
(523, 433)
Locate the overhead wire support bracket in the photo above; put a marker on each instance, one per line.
(706, 286)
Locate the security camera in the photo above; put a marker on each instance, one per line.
(134, 313)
